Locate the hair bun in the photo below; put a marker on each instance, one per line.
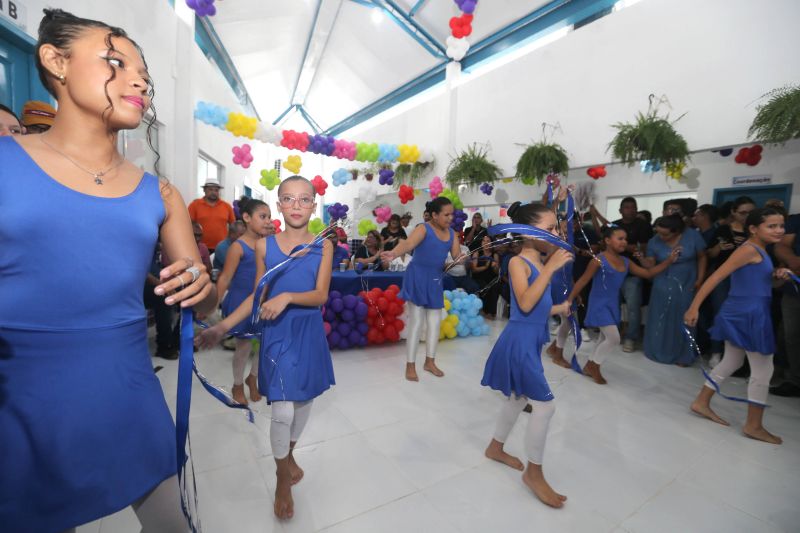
(513, 208)
(428, 206)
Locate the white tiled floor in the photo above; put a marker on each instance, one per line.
(385, 455)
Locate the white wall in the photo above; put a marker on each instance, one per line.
(712, 58)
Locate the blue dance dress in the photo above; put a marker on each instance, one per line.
(745, 319)
(422, 280)
(515, 364)
(671, 296)
(295, 362)
(241, 287)
(603, 309)
(84, 427)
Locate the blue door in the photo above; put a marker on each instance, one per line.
(19, 81)
(759, 193)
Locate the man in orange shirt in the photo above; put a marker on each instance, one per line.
(213, 214)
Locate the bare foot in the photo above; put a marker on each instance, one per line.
(706, 411)
(535, 481)
(759, 433)
(411, 372)
(252, 384)
(495, 452)
(238, 394)
(295, 472)
(284, 504)
(430, 366)
(592, 370)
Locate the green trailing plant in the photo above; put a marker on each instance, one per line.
(778, 120)
(472, 167)
(650, 138)
(540, 160)
(411, 174)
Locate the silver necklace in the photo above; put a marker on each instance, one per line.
(96, 175)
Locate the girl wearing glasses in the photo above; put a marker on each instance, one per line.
(295, 364)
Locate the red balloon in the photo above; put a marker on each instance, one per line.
(400, 301)
(391, 333)
(371, 311)
(383, 304)
(379, 337)
(756, 148)
(393, 287)
(399, 325)
(394, 309)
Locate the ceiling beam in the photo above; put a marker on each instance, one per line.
(321, 28)
(412, 27)
(416, 7)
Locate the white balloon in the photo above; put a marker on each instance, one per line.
(268, 133)
(457, 48)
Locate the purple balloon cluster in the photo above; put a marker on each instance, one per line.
(487, 189)
(459, 217)
(347, 318)
(337, 211)
(203, 8)
(386, 176)
(321, 144)
(467, 6)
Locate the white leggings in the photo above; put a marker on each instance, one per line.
(760, 371)
(434, 318)
(563, 332)
(608, 340)
(535, 434)
(159, 511)
(288, 421)
(240, 357)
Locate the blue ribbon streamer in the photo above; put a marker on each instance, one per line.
(708, 377)
(576, 330)
(182, 405)
(524, 229)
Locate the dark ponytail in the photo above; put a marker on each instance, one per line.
(250, 205)
(436, 205)
(528, 214)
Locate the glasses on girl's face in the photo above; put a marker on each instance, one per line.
(288, 200)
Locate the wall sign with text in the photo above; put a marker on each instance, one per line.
(764, 179)
(13, 11)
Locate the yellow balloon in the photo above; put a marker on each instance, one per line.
(453, 320)
(450, 332)
(441, 334)
(447, 304)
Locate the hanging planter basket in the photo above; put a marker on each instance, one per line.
(778, 120)
(650, 138)
(539, 161)
(411, 174)
(472, 167)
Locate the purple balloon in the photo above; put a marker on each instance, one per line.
(362, 328)
(350, 301)
(334, 338)
(334, 294)
(361, 310)
(344, 328)
(329, 316)
(344, 343)
(337, 305)
(468, 6)
(348, 316)
(354, 337)
(363, 341)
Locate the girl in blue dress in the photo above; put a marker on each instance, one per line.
(672, 290)
(422, 282)
(607, 275)
(295, 364)
(744, 321)
(236, 283)
(514, 366)
(84, 427)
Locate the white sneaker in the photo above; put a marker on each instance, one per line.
(628, 346)
(715, 359)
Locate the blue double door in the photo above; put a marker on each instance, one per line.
(19, 80)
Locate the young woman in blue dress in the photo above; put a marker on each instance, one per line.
(235, 283)
(422, 282)
(85, 428)
(744, 321)
(607, 277)
(294, 361)
(514, 366)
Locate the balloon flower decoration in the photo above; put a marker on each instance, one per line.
(316, 226)
(277, 225)
(463, 318)
(460, 28)
(321, 144)
(203, 8)
(367, 152)
(211, 114)
(650, 166)
(386, 176)
(382, 214)
(340, 177)
(487, 189)
(242, 125)
(456, 48)
(319, 185)
(242, 155)
(724, 152)
(675, 170)
(338, 211)
(596, 172)
(295, 140)
(406, 194)
(435, 186)
(270, 179)
(365, 226)
(293, 164)
(750, 156)
(459, 218)
(344, 149)
(453, 197)
(388, 153)
(383, 309)
(345, 323)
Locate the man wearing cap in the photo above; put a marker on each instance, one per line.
(212, 213)
(37, 117)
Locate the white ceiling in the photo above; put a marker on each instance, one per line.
(363, 59)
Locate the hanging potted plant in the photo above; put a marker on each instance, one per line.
(472, 167)
(778, 120)
(539, 161)
(411, 174)
(651, 138)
